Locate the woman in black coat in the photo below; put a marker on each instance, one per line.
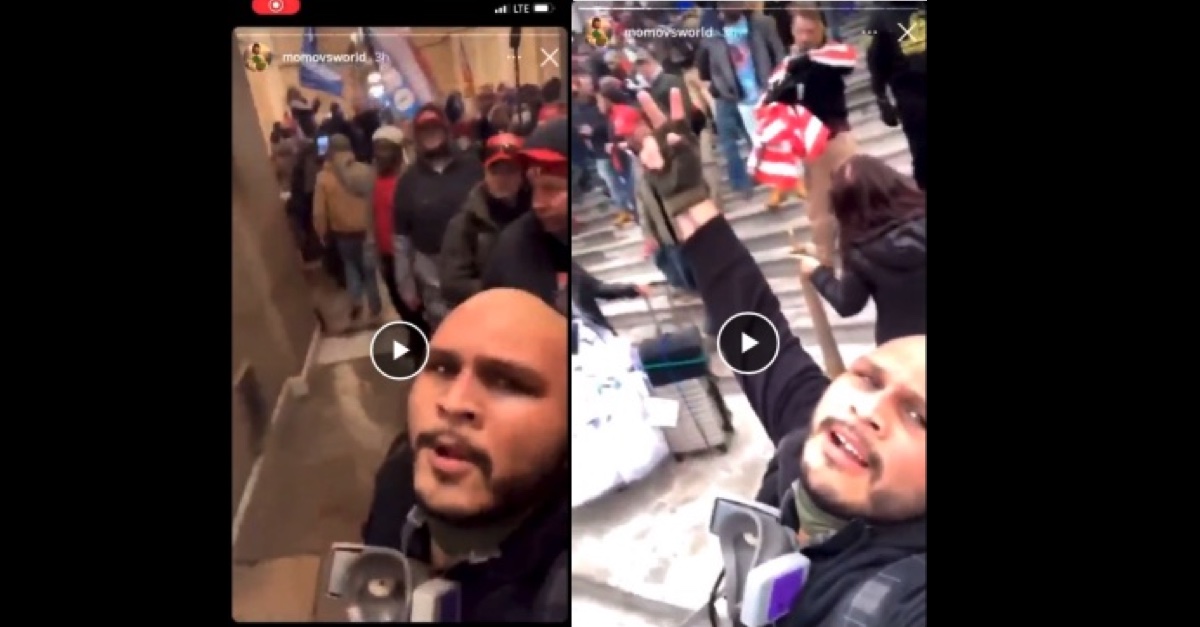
(881, 222)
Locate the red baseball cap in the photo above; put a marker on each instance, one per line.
(428, 115)
(502, 147)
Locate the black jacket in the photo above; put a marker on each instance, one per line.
(714, 63)
(890, 268)
(824, 91)
(528, 258)
(588, 112)
(895, 63)
(528, 582)
(426, 199)
(470, 239)
(587, 291)
(784, 397)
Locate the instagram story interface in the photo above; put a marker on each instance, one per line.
(400, 437)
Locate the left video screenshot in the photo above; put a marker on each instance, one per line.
(400, 278)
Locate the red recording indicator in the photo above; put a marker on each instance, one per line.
(276, 7)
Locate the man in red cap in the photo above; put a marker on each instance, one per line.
(495, 203)
(534, 252)
(428, 195)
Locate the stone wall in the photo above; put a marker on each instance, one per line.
(273, 320)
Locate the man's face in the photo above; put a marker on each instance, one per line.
(431, 136)
(586, 85)
(865, 456)
(806, 32)
(487, 416)
(550, 200)
(503, 179)
(387, 155)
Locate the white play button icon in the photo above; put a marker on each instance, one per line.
(407, 346)
(748, 343)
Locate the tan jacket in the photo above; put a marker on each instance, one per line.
(335, 208)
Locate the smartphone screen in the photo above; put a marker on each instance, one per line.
(322, 145)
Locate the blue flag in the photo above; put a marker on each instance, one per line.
(315, 75)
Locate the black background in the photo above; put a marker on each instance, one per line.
(1042, 506)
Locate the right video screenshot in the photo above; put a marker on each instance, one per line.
(748, 391)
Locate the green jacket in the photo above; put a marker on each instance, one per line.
(651, 214)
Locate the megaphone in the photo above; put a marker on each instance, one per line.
(764, 571)
(382, 585)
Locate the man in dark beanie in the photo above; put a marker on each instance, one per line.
(428, 195)
(534, 252)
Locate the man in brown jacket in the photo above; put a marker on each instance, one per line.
(342, 218)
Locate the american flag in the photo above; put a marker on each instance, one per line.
(788, 134)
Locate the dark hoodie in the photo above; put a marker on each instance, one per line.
(470, 238)
(427, 199)
(528, 258)
(785, 398)
(587, 291)
(889, 267)
(527, 582)
(586, 111)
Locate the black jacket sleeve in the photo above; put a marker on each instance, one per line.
(730, 282)
(848, 295)
(385, 519)
(615, 291)
(881, 54)
(494, 272)
(457, 267)
(554, 599)
(595, 288)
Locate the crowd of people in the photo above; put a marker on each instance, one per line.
(788, 51)
(420, 201)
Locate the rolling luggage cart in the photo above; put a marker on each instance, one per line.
(676, 363)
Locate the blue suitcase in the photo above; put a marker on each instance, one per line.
(676, 364)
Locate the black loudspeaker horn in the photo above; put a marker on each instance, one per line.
(378, 587)
(514, 38)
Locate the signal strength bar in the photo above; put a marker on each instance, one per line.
(502, 9)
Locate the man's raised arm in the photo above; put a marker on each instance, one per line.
(729, 280)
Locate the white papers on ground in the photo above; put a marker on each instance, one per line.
(614, 438)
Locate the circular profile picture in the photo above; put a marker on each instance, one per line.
(257, 57)
(597, 32)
